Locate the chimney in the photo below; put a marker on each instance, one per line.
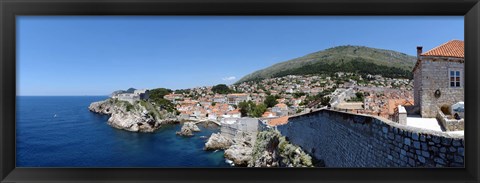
(419, 51)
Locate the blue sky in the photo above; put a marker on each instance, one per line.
(95, 55)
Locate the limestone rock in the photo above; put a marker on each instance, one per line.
(126, 116)
(188, 128)
(185, 132)
(240, 154)
(101, 107)
(217, 141)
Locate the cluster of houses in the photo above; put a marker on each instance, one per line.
(381, 102)
(218, 107)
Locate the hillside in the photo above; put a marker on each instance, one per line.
(359, 59)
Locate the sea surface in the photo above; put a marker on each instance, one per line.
(62, 132)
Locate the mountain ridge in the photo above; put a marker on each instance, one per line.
(339, 58)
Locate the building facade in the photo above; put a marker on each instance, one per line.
(236, 98)
(439, 77)
(133, 97)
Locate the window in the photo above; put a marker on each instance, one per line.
(454, 78)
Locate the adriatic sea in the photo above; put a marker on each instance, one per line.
(62, 132)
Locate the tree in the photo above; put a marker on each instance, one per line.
(259, 110)
(270, 101)
(245, 107)
(158, 93)
(182, 91)
(359, 96)
(325, 101)
(221, 89)
(251, 109)
(298, 94)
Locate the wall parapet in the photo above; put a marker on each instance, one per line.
(344, 139)
(450, 124)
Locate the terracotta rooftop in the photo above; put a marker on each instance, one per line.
(278, 121)
(281, 105)
(393, 103)
(237, 94)
(453, 48)
(267, 114)
(236, 111)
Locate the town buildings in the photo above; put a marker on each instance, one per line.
(236, 98)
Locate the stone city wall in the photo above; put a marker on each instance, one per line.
(248, 125)
(350, 140)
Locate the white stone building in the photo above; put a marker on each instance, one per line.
(236, 98)
(133, 97)
(439, 77)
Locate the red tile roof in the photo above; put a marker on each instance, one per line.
(453, 48)
(267, 114)
(281, 105)
(236, 111)
(278, 121)
(393, 103)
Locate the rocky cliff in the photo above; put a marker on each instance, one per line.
(237, 149)
(265, 149)
(217, 141)
(138, 117)
(271, 149)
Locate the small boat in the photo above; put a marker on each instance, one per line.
(55, 115)
(230, 162)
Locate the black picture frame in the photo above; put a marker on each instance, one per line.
(470, 9)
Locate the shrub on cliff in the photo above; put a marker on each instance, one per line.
(271, 149)
(122, 104)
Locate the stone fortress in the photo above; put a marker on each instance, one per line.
(133, 97)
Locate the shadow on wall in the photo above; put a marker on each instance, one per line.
(351, 140)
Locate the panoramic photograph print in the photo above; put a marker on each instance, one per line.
(240, 91)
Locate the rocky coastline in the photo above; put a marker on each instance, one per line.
(243, 149)
(237, 149)
(273, 150)
(265, 149)
(140, 116)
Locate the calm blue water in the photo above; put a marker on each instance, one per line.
(77, 137)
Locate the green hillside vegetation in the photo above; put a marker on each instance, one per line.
(251, 109)
(355, 59)
(221, 89)
(156, 96)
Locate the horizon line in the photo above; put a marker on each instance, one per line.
(62, 95)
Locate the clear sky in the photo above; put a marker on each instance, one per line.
(95, 55)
